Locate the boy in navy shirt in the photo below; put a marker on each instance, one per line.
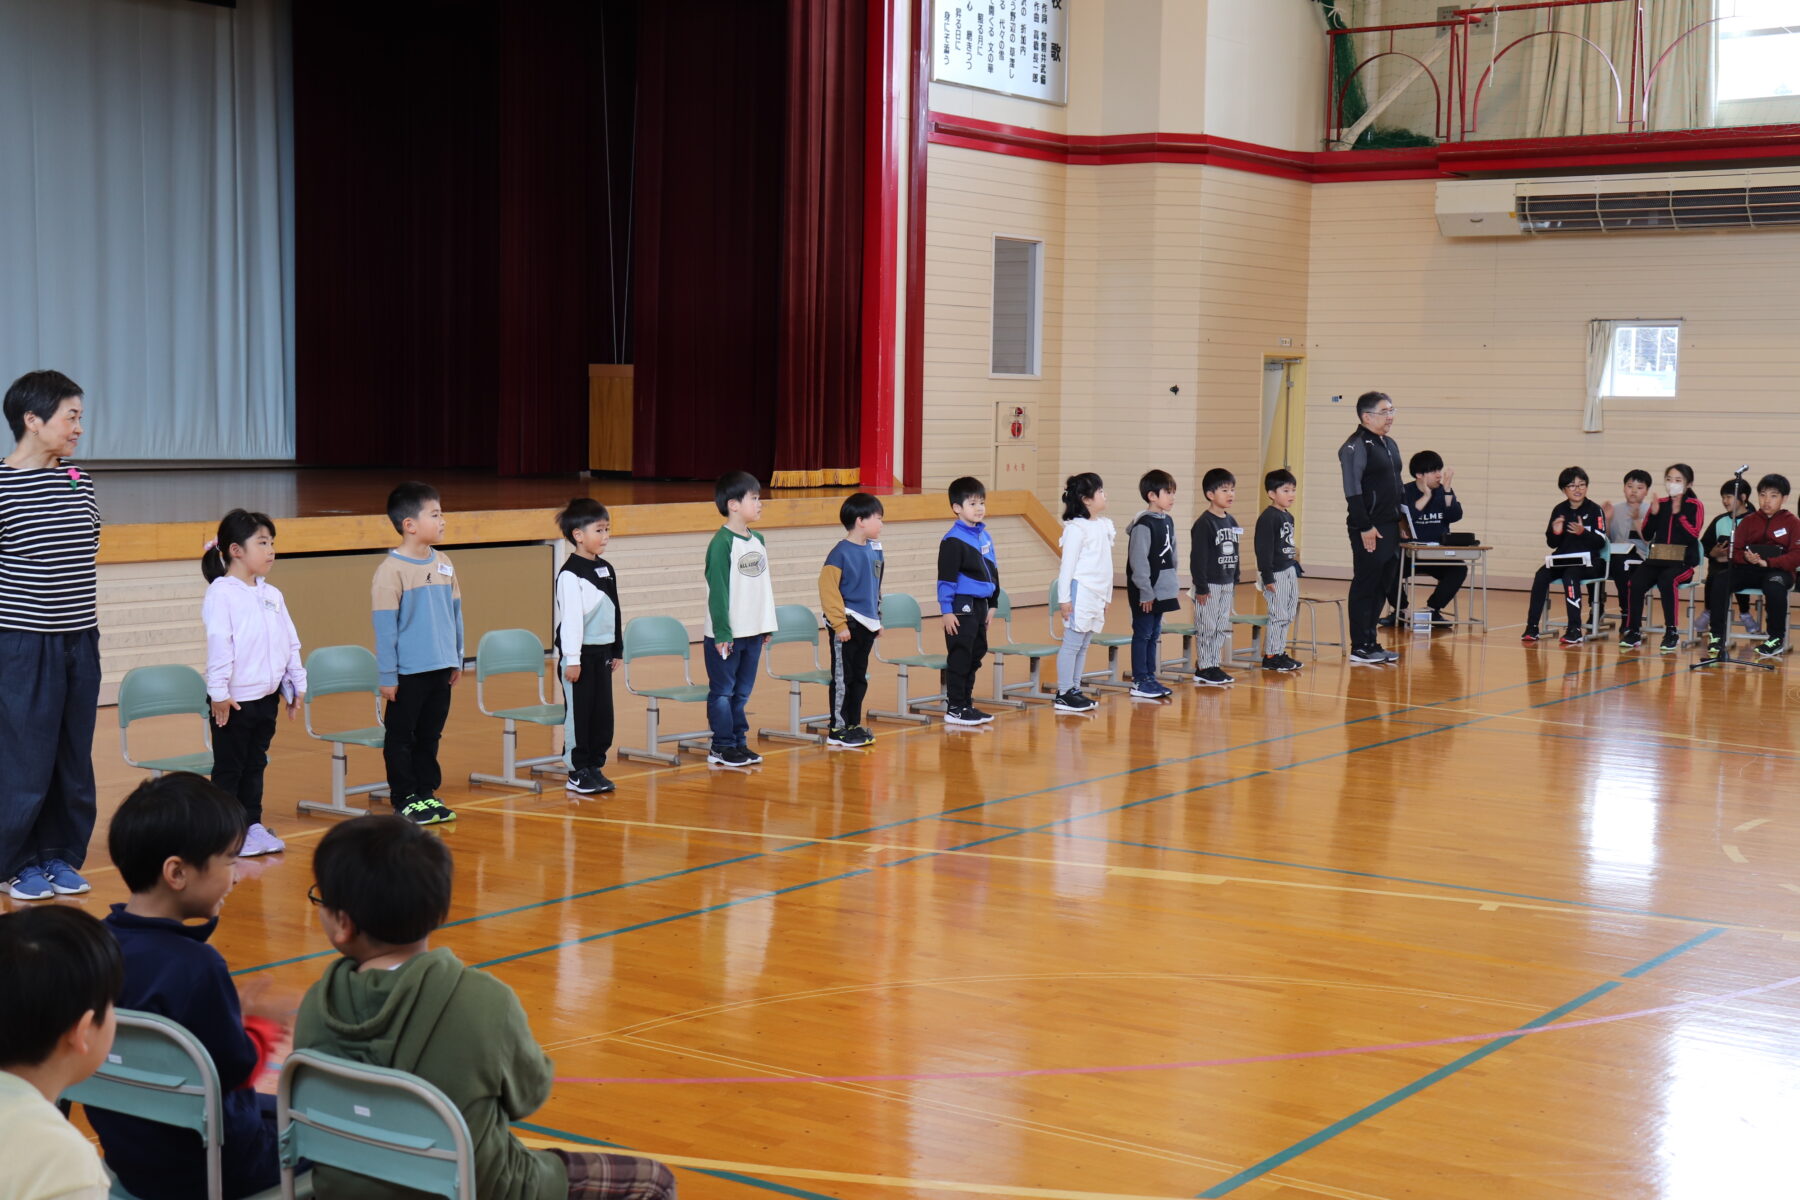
(850, 594)
(1430, 503)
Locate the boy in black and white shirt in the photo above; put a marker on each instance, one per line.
(1213, 559)
(589, 632)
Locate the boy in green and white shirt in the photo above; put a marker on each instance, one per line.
(740, 616)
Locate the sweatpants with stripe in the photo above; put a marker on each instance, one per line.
(1212, 625)
(1284, 602)
(850, 673)
(588, 723)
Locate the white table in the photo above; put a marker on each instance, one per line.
(1415, 554)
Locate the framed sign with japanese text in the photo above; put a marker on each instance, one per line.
(1014, 47)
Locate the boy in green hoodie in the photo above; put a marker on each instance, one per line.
(382, 886)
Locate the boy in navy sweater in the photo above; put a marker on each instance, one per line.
(968, 579)
(1430, 503)
(850, 594)
(1151, 584)
(175, 841)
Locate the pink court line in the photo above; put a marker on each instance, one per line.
(1295, 1056)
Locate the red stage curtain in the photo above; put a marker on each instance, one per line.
(819, 439)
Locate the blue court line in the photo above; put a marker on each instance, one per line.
(1226, 1187)
(730, 1176)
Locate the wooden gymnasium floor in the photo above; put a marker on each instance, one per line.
(1253, 943)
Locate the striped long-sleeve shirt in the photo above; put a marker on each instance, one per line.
(49, 536)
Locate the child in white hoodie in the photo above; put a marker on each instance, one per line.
(1084, 584)
(252, 664)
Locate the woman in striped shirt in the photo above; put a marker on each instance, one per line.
(49, 642)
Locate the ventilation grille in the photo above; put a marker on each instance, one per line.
(1624, 212)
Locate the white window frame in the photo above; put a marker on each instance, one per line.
(1035, 320)
(1730, 31)
(1607, 389)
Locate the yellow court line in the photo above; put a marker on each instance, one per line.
(1747, 826)
(1734, 854)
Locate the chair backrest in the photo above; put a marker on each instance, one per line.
(373, 1121)
(900, 611)
(651, 637)
(1002, 606)
(332, 670)
(509, 652)
(160, 1072)
(161, 691)
(794, 623)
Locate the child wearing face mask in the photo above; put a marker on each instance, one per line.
(1575, 525)
(1675, 518)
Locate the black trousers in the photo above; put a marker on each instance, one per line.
(965, 649)
(1639, 582)
(241, 752)
(1775, 586)
(1715, 583)
(850, 673)
(415, 725)
(1540, 591)
(590, 728)
(1449, 579)
(1373, 577)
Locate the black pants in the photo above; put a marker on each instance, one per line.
(1449, 579)
(1373, 576)
(241, 752)
(49, 687)
(1715, 583)
(1570, 578)
(415, 724)
(1644, 577)
(965, 649)
(1775, 587)
(850, 673)
(590, 727)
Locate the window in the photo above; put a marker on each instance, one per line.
(1016, 303)
(1759, 49)
(1643, 361)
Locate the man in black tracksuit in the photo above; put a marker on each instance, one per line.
(1371, 466)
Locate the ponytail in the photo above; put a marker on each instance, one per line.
(237, 527)
(1076, 489)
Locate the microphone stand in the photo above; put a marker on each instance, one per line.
(1731, 564)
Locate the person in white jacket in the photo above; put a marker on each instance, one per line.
(252, 664)
(1083, 585)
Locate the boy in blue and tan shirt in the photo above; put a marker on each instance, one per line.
(850, 594)
(419, 650)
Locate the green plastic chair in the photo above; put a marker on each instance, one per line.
(336, 671)
(158, 1071)
(1258, 623)
(371, 1121)
(516, 652)
(1183, 667)
(165, 691)
(662, 637)
(900, 612)
(1032, 652)
(796, 625)
(1113, 642)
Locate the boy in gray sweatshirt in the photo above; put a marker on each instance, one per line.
(1152, 586)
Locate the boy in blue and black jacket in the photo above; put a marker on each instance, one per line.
(968, 579)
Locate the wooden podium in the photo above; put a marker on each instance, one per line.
(610, 397)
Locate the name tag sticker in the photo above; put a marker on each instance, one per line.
(603, 573)
(114, 1058)
(359, 1110)
(444, 569)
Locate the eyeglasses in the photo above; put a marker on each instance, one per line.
(1384, 412)
(312, 893)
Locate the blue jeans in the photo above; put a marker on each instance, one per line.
(728, 684)
(1146, 644)
(47, 712)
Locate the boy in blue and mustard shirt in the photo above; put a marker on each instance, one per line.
(419, 650)
(850, 594)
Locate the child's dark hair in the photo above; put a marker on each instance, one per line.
(964, 489)
(1215, 479)
(1425, 462)
(1570, 476)
(734, 485)
(238, 527)
(580, 512)
(59, 965)
(858, 506)
(1687, 473)
(1155, 481)
(406, 501)
(1279, 477)
(1076, 489)
(39, 394)
(1639, 475)
(387, 875)
(181, 815)
(1774, 483)
(1735, 486)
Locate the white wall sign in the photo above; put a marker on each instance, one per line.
(1014, 47)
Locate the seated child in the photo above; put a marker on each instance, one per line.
(56, 1028)
(1675, 519)
(1715, 544)
(1577, 524)
(175, 841)
(383, 886)
(1625, 526)
(1213, 561)
(1278, 564)
(1767, 554)
(1430, 503)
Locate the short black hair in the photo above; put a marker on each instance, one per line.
(237, 527)
(579, 513)
(39, 393)
(1639, 475)
(1279, 477)
(386, 874)
(1776, 483)
(1571, 475)
(965, 488)
(734, 485)
(1368, 401)
(407, 500)
(858, 506)
(59, 965)
(181, 815)
(1735, 486)
(1155, 481)
(1425, 462)
(1215, 479)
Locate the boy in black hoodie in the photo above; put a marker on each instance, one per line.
(1213, 560)
(1575, 525)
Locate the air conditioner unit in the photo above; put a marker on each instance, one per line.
(1702, 200)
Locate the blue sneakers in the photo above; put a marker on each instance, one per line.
(30, 884)
(65, 879)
